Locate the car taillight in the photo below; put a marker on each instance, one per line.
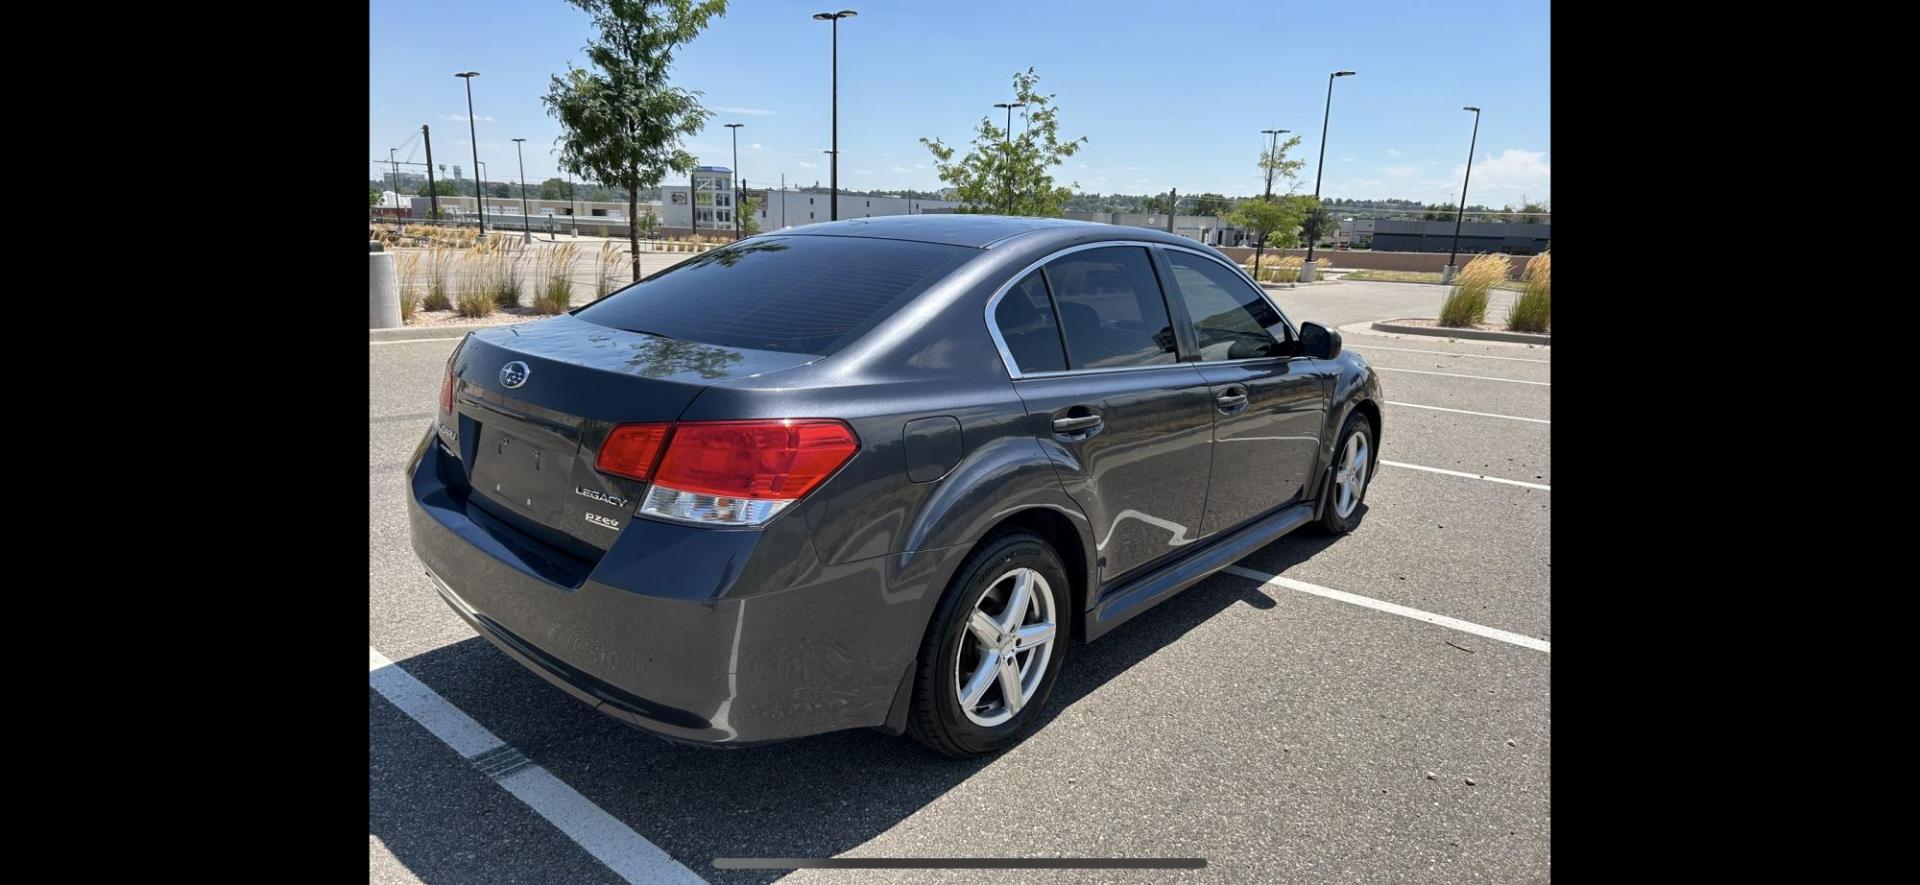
(739, 472)
(631, 449)
(446, 390)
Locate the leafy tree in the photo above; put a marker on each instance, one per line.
(621, 122)
(1527, 208)
(1319, 220)
(499, 189)
(1440, 212)
(1274, 164)
(1010, 175)
(441, 187)
(1271, 220)
(1156, 203)
(1211, 204)
(556, 189)
(748, 224)
(373, 196)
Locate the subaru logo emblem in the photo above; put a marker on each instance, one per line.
(514, 374)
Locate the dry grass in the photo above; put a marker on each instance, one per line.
(1466, 303)
(1533, 310)
(553, 280)
(407, 269)
(1276, 268)
(476, 297)
(499, 271)
(607, 268)
(439, 278)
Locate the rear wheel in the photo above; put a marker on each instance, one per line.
(996, 646)
(1353, 459)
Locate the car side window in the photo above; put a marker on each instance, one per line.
(1025, 319)
(1232, 320)
(1110, 304)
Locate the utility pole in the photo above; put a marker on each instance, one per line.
(1173, 201)
(783, 199)
(433, 193)
(693, 206)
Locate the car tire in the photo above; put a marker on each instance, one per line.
(959, 652)
(1332, 518)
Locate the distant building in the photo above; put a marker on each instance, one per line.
(1476, 237)
(1207, 229)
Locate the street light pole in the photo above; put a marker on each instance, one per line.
(833, 174)
(526, 215)
(1260, 245)
(1306, 269)
(1460, 214)
(1008, 146)
(736, 177)
(480, 186)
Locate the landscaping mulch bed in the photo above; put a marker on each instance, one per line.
(500, 316)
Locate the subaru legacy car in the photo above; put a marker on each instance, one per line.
(877, 473)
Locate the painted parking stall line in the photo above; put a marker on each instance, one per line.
(1280, 583)
(415, 340)
(1477, 356)
(1463, 474)
(1455, 375)
(1468, 412)
(627, 853)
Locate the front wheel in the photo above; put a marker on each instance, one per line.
(996, 647)
(1352, 469)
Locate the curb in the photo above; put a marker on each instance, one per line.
(1470, 334)
(428, 332)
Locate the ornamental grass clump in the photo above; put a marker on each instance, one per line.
(1533, 310)
(1466, 304)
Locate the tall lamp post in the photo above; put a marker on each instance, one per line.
(479, 188)
(1260, 246)
(526, 215)
(1306, 269)
(1460, 214)
(833, 173)
(736, 177)
(1009, 147)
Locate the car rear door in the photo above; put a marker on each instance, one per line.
(1269, 402)
(1089, 339)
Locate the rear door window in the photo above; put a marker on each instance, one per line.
(793, 294)
(1111, 307)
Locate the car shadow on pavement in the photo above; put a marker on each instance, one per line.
(813, 797)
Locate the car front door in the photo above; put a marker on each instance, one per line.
(1089, 339)
(1269, 401)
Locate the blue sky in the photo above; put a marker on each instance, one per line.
(1169, 95)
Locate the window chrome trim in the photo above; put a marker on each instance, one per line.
(1013, 366)
(1006, 355)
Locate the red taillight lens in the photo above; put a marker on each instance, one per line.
(446, 390)
(630, 450)
(780, 460)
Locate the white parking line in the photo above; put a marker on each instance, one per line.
(1511, 482)
(1478, 356)
(1466, 412)
(611, 842)
(413, 340)
(1276, 581)
(1475, 377)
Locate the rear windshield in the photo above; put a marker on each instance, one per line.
(806, 294)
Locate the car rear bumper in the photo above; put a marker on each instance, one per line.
(696, 634)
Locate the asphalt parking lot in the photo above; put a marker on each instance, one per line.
(1381, 713)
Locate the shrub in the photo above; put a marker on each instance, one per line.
(1466, 303)
(553, 286)
(1533, 310)
(606, 277)
(476, 296)
(407, 268)
(502, 277)
(439, 269)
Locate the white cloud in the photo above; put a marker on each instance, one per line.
(1393, 152)
(856, 172)
(749, 112)
(754, 147)
(1507, 176)
(901, 169)
(462, 118)
(806, 165)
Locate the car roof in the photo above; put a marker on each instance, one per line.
(974, 231)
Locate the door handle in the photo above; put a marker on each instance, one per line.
(1076, 423)
(1232, 400)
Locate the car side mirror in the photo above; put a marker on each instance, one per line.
(1319, 342)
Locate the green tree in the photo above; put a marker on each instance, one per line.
(499, 189)
(1319, 220)
(1211, 204)
(373, 196)
(1274, 164)
(1156, 203)
(441, 187)
(1270, 220)
(1010, 175)
(621, 122)
(748, 224)
(556, 189)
